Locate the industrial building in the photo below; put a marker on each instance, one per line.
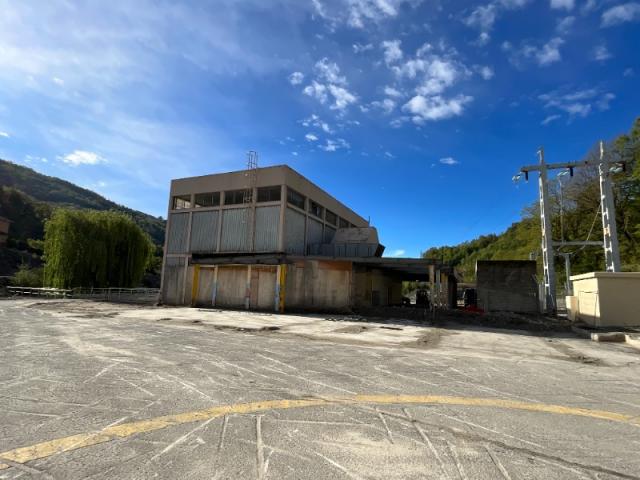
(269, 239)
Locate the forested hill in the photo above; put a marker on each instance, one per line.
(27, 198)
(581, 219)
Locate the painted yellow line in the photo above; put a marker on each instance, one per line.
(74, 442)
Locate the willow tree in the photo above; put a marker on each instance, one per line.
(87, 248)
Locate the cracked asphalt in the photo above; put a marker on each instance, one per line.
(95, 390)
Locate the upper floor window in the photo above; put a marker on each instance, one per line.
(235, 197)
(295, 198)
(181, 201)
(269, 194)
(315, 209)
(331, 217)
(344, 223)
(211, 199)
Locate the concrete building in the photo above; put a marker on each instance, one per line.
(269, 239)
(507, 285)
(4, 230)
(605, 299)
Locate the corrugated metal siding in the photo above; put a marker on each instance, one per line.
(314, 232)
(177, 241)
(235, 230)
(204, 231)
(173, 280)
(329, 233)
(267, 222)
(294, 232)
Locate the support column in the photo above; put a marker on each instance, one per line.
(247, 294)
(215, 286)
(195, 285)
(281, 287)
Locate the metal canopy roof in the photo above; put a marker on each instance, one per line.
(410, 268)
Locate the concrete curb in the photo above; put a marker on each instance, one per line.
(617, 337)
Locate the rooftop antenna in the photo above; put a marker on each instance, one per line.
(248, 196)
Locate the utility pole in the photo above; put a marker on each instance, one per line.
(610, 233)
(547, 240)
(611, 249)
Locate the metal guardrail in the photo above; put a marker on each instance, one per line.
(39, 292)
(116, 295)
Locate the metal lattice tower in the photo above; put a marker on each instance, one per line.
(547, 240)
(248, 197)
(609, 229)
(610, 233)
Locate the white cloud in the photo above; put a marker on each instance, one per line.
(359, 47)
(329, 71)
(627, 12)
(58, 81)
(601, 53)
(4, 134)
(435, 108)
(483, 39)
(82, 157)
(486, 73)
(628, 72)
(544, 55)
(317, 91)
(563, 26)
(550, 118)
(343, 98)
(296, 78)
(579, 103)
(387, 105)
(310, 137)
(566, 4)
(482, 17)
(393, 92)
(392, 51)
(334, 145)
(449, 161)
(295, 154)
(315, 121)
(329, 81)
(397, 253)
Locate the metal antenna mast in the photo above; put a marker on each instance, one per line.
(249, 195)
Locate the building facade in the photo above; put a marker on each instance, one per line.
(269, 239)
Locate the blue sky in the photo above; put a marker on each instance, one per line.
(414, 113)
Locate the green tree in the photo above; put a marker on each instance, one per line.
(94, 249)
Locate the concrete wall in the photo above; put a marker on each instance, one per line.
(374, 287)
(606, 299)
(318, 285)
(507, 285)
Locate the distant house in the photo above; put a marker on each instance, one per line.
(4, 230)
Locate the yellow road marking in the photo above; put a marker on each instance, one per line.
(74, 442)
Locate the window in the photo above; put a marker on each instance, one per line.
(315, 209)
(331, 217)
(211, 199)
(234, 197)
(180, 202)
(269, 194)
(295, 198)
(344, 223)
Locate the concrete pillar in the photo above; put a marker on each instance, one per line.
(215, 286)
(247, 295)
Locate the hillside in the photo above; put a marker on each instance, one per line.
(581, 220)
(28, 197)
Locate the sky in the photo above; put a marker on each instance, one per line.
(416, 113)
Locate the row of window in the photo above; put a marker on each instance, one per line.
(265, 194)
